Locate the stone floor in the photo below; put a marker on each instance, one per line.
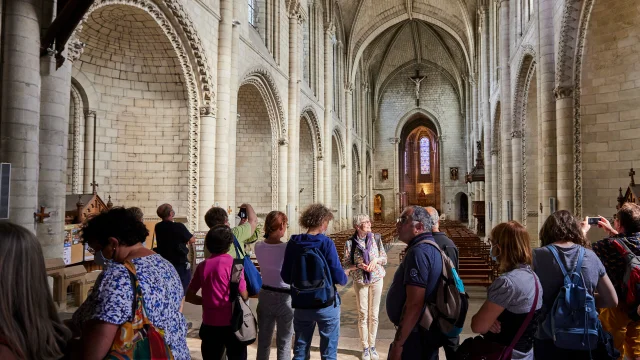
(349, 346)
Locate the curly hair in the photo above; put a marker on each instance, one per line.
(118, 223)
(314, 215)
(219, 239)
(562, 226)
(215, 216)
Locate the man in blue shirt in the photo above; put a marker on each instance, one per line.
(414, 283)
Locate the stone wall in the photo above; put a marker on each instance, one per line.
(610, 105)
(439, 98)
(253, 151)
(142, 116)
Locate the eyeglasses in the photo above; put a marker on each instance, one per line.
(402, 219)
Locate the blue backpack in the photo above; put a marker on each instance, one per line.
(573, 320)
(311, 282)
(251, 274)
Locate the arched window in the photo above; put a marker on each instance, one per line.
(425, 156)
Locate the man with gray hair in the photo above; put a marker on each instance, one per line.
(415, 280)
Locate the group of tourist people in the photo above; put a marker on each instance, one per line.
(143, 289)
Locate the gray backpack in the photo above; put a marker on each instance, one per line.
(243, 320)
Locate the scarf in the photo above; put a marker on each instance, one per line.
(366, 276)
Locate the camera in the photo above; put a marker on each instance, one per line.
(242, 214)
(593, 220)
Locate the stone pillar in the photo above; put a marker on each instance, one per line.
(329, 38)
(319, 179)
(234, 117)
(548, 105)
(349, 149)
(516, 171)
(54, 126)
(495, 198)
(397, 202)
(363, 148)
(225, 50)
(20, 125)
(505, 105)
(485, 103)
(90, 123)
(564, 141)
(343, 196)
(283, 153)
(295, 18)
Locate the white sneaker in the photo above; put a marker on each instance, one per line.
(365, 354)
(373, 353)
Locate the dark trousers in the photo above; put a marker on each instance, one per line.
(423, 345)
(547, 350)
(450, 346)
(185, 276)
(217, 339)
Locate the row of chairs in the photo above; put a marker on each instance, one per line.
(476, 267)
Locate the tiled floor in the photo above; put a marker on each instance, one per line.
(349, 346)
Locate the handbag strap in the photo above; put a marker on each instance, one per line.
(134, 280)
(527, 320)
(238, 248)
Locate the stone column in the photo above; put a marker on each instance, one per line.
(485, 103)
(54, 126)
(505, 105)
(516, 171)
(329, 38)
(495, 198)
(363, 148)
(319, 179)
(349, 148)
(343, 196)
(283, 153)
(564, 141)
(90, 122)
(225, 50)
(295, 18)
(548, 105)
(397, 203)
(234, 117)
(20, 125)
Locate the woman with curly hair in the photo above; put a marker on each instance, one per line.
(316, 220)
(118, 234)
(565, 235)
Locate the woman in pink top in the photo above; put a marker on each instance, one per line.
(213, 276)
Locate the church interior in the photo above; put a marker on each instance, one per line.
(487, 110)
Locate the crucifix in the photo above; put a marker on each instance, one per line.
(94, 185)
(417, 80)
(41, 215)
(631, 173)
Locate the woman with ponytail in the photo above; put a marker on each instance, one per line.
(274, 300)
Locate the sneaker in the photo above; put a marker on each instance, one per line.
(373, 353)
(365, 354)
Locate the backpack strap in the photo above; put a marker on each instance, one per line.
(553, 251)
(234, 278)
(526, 322)
(581, 253)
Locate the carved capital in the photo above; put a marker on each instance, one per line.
(494, 152)
(283, 142)
(88, 113)
(320, 158)
(394, 140)
(517, 134)
(343, 166)
(330, 30)
(348, 87)
(562, 92)
(296, 11)
(206, 111)
(75, 47)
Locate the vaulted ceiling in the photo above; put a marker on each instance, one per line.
(384, 36)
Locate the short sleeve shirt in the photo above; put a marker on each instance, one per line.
(421, 266)
(111, 299)
(172, 238)
(213, 276)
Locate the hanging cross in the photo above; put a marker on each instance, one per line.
(94, 185)
(42, 215)
(417, 80)
(631, 173)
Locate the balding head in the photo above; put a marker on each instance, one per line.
(165, 212)
(435, 218)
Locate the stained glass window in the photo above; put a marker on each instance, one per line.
(425, 156)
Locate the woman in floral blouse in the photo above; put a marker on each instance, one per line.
(364, 257)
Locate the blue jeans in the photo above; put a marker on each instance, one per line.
(304, 324)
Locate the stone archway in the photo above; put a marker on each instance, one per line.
(147, 115)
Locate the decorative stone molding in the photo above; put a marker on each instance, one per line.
(348, 88)
(516, 134)
(566, 41)
(206, 111)
(269, 83)
(394, 140)
(343, 166)
(340, 144)
(577, 124)
(563, 92)
(296, 10)
(75, 48)
(493, 152)
(283, 142)
(320, 158)
(76, 102)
